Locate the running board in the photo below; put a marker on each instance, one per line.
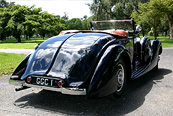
(139, 70)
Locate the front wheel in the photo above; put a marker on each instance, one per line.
(121, 75)
(156, 68)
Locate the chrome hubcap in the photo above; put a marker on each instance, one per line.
(120, 75)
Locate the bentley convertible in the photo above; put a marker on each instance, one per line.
(96, 63)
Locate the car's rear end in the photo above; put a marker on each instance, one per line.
(62, 63)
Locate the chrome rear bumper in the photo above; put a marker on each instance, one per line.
(69, 91)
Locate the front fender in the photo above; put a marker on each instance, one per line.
(156, 47)
(157, 50)
(103, 82)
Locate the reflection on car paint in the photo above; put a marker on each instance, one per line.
(88, 62)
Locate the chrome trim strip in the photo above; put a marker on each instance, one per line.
(69, 91)
(73, 91)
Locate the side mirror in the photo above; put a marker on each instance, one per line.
(138, 28)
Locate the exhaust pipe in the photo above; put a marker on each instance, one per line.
(21, 88)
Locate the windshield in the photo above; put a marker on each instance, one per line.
(112, 24)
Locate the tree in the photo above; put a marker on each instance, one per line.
(165, 7)
(148, 16)
(65, 17)
(153, 12)
(31, 21)
(16, 22)
(59, 25)
(48, 24)
(85, 17)
(5, 16)
(114, 9)
(74, 23)
(4, 4)
(86, 23)
(164, 26)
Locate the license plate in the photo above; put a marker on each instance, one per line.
(44, 81)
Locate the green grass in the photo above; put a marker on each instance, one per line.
(17, 45)
(25, 44)
(166, 42)
(29, 44)
(9, 61)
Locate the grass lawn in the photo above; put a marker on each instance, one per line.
(166, 42)
(29, 44)
(25, 44)
(9, 61)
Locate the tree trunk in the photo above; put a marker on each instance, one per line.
(170, 19)
(26, 37)
(171, 31)
(18, 38)
(166, 33)
(2, 36)
(154, 28)
(155, 31)
(43, 36)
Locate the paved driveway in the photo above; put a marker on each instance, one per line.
(16, 51)
(150, 95)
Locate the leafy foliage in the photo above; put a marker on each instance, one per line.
(154, 13)
(31, 21)
(4, 4)
(74, 23)
(114, 9)
(165, 7)
(17, 20)
(5, 16)
(148, 16)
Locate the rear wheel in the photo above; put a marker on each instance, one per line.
(121, 75)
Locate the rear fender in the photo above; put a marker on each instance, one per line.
(103, 82)
(19, 71)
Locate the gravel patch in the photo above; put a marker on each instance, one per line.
(149, 95)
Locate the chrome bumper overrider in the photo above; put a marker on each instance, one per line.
(69, 91)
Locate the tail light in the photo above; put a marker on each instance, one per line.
(28, 79)
(60, 83)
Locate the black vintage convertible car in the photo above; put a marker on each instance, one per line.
(95, 63)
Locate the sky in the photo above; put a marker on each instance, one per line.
(73, 8)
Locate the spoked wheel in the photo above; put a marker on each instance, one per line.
(121, 78)
(120, 74)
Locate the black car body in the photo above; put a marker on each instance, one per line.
(93, 62)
